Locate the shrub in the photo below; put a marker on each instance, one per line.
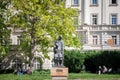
(92, 60)
(43, 71)
(111, 59)
(5, 71)
(73, 60)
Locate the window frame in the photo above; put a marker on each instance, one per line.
(36, 64)
(92, 21)
(74, 4)
(93, 3)
(112, 18)
(114, 37)
(113, 4)
(95, 39)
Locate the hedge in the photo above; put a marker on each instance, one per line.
(74, 60)
(111, 59)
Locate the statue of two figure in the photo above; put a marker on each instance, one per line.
(58, 53)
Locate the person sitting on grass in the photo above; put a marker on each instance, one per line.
(104, 69)
(100, 70)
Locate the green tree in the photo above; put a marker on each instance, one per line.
(42, 21)
(4, 31)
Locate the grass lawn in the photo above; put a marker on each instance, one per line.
(72, 76)
(89, 76)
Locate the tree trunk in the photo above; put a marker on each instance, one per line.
(31, 53)
(32, 48)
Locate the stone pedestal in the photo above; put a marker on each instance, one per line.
(59, 73)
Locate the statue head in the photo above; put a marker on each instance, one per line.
(60, 37)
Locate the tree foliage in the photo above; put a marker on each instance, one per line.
(48, 18)
(42, 21)
(4, 31)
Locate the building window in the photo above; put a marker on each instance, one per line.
(94, 2)
(114, 40)
(94, 19)
(15, 40)
(95, 40)
(36, 64)
(113, 2)
(113, 19)
(75, 2)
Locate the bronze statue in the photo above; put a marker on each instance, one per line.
(58, 52)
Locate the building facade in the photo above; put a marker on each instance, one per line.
(99, 23)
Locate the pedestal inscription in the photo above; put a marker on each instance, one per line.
(59, 73)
